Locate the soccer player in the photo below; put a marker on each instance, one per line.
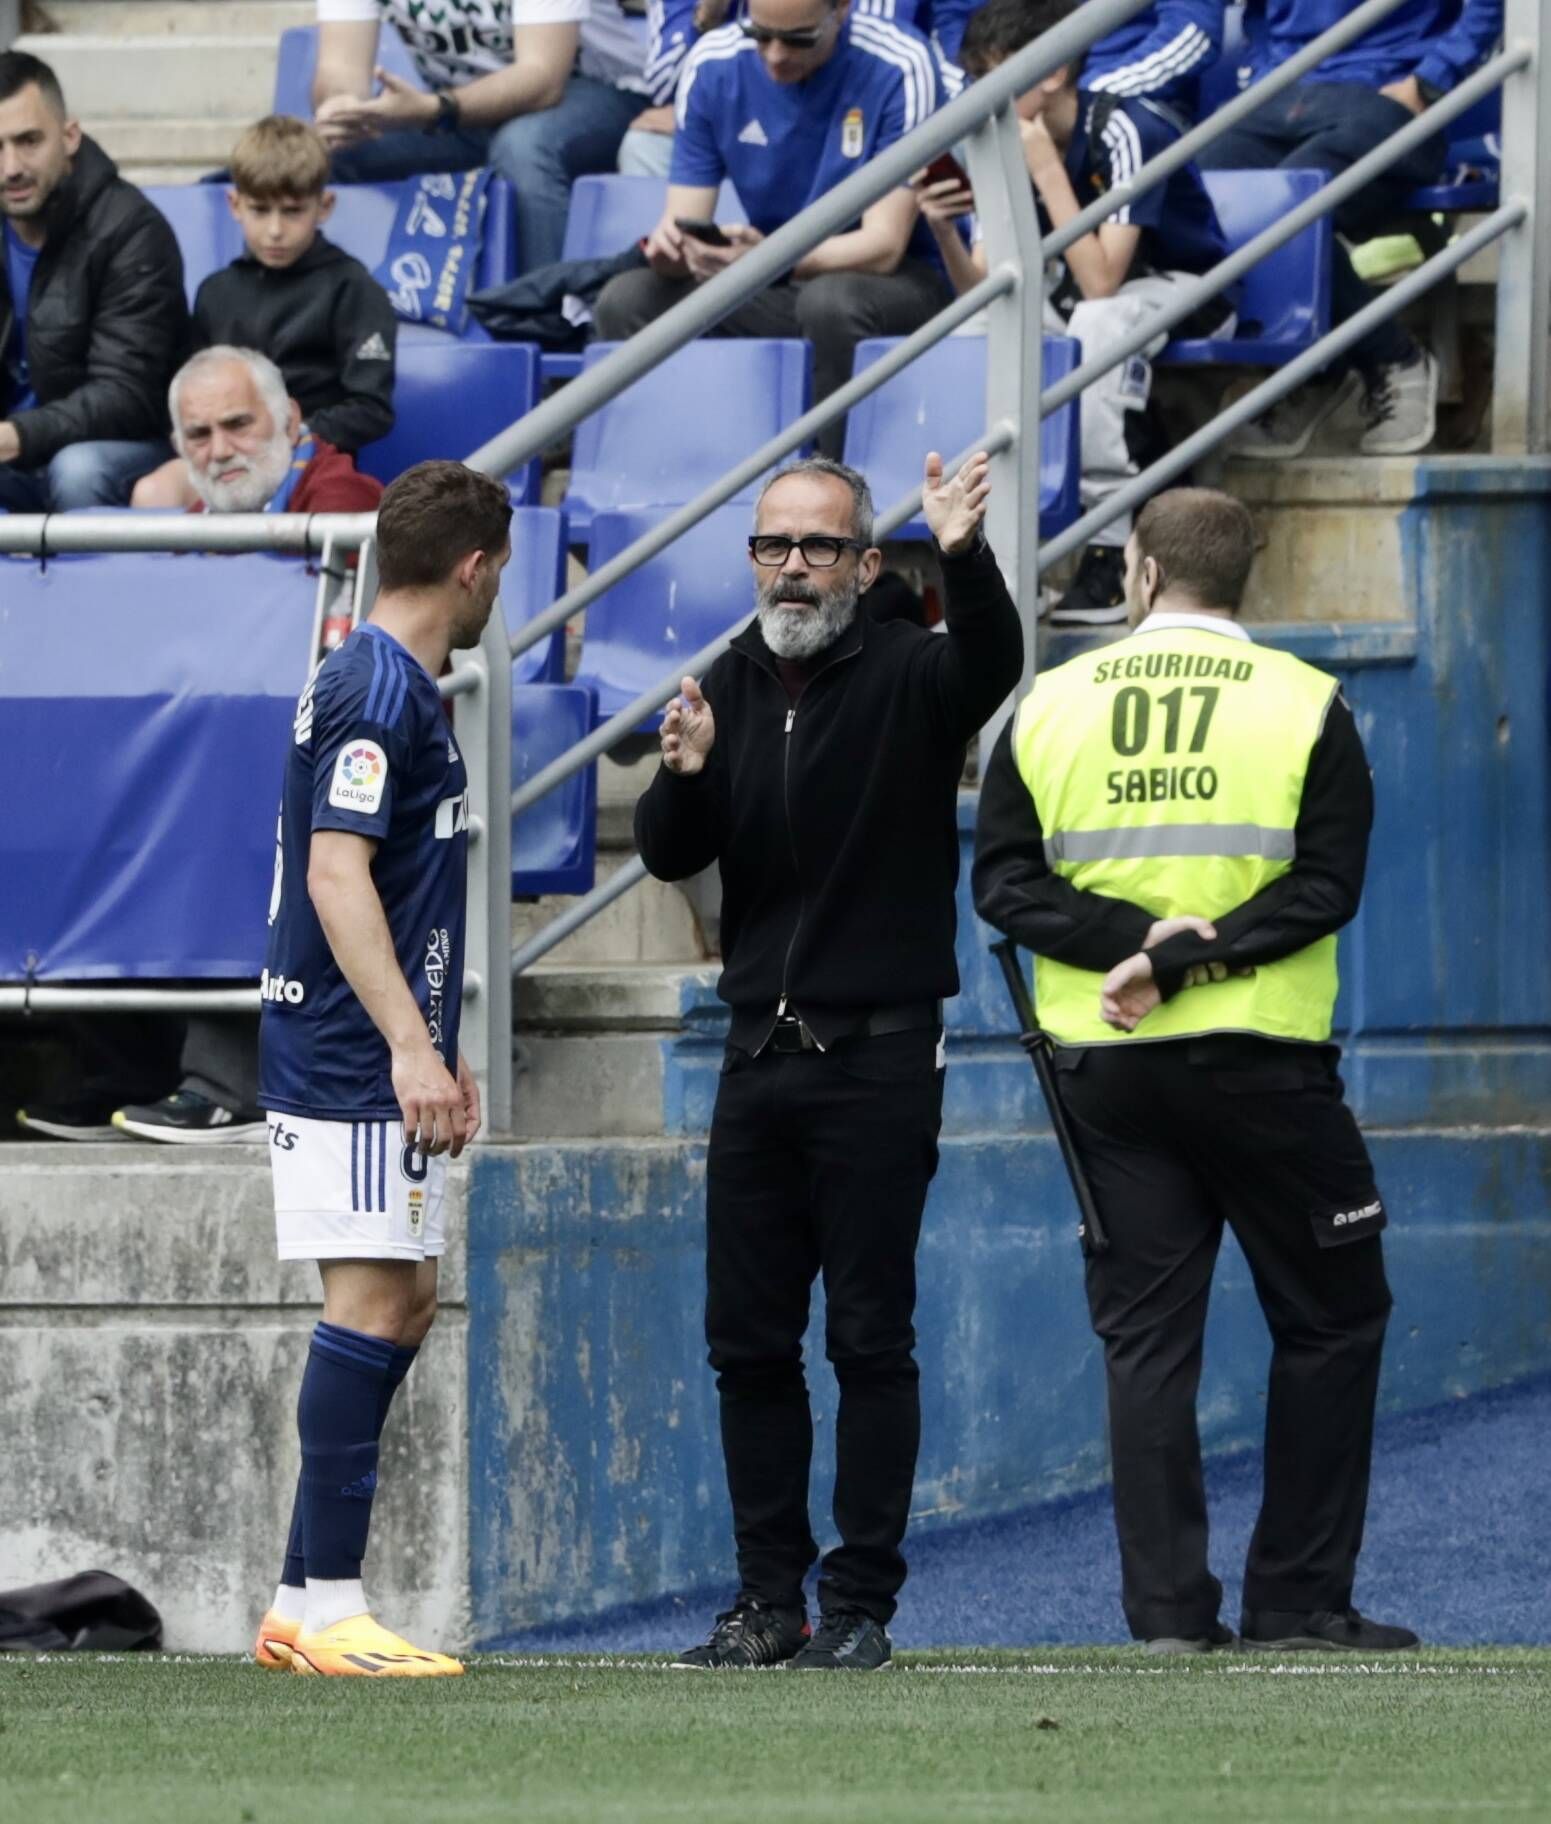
(365, 1090)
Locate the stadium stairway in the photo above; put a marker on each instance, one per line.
(165, 86)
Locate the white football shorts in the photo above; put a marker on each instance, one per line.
(352, 1190)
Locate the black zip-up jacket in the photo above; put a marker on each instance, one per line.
(327, 325)
(1016, 891)
(834, 821)
(107, 322)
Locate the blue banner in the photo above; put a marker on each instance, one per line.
(433, 248)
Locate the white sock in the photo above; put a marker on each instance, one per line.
(333, 1599)
(290, 1603)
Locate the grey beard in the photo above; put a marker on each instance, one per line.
(800, 632)
(253, 491)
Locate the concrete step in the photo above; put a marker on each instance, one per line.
(105, 77)
(184, 147)
(652, 923)
(176, 18)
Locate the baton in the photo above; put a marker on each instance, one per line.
(1031, 1037)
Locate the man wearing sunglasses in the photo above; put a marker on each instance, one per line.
(818, 765)
(787, 103)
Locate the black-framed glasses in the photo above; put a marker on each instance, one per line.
(809, 38)
(819, 552)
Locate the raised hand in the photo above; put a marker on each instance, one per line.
(955, 507)
(688, 731)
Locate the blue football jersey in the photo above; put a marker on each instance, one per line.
(372, 753)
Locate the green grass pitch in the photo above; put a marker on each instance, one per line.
(1053, 1734)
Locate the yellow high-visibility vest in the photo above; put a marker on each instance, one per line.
(1168, 769)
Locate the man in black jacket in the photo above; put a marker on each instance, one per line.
(818, 766)
(93, 320)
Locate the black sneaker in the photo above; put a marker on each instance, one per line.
(1166, 1646)
(1097, 596)
(750, 1634)
(189, 1119)
(1326, 1630)
(847, 1641)
(69, 1121)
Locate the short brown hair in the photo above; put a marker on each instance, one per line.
(1202, 540)
(432, 517)
(280, 157)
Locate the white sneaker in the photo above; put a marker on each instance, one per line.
(1288, 428)
(1402, 408)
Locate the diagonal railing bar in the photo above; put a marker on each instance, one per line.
(581, 912)
(1389, 304)
(600, 581)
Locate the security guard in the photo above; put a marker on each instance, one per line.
(1177, 825)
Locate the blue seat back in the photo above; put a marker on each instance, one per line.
(684, 424)
(610, 213)
(663, 613)
(450, 397)
(554, 842)
(939, 403)
(1284, 303)
(531, 582)
(209, 237)
(298, 58)
(147, 702)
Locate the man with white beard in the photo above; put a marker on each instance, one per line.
(245, 448)
(818, 764)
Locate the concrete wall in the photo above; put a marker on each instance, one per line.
(150, 1351)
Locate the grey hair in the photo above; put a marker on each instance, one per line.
(861, 494)
(266, 377)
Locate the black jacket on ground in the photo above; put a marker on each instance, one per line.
(835, 821)
(1016, 891)
(107, 323)
(327, 325)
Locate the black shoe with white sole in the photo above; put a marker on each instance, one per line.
(1097, 596)
(1168, 1646)
(846, 1641)
(1324, 1631)
(749, 1635)
(187, 1118)
(68, 1121)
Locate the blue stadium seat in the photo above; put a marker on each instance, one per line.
(1475, 147)
(450, 397)
(553, 842)
(663, 613)
(683, 425)
(1284, 305)
(532, 582)
(939, 403)
(299, 56)
(147, 702)
(363, 217)
(610, 213)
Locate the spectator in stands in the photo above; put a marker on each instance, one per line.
(1327, 121)
(91, 299)
(294, 296)
(544, 90)
(647, 149)
(245, 450)
(787, 103)
(1078, 144)
(1160, 52)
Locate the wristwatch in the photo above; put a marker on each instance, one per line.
(448, 115)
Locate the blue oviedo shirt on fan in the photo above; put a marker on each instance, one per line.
(1114, 139)
(785, 144)
(371, 754)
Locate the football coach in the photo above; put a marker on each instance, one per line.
(818, 763)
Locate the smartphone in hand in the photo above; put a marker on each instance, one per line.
(708, 232)
(942, 169)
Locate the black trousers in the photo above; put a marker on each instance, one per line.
(1179, 1137)
(819, 1163)
(835, 312)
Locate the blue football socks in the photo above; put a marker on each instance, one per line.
(339, 1416)
(294, 1574)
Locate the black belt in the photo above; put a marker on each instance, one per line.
(791, 1033)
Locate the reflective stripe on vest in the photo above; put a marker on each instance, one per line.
(1168, 771)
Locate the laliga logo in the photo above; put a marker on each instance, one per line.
(277, 988)
(361, 767)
